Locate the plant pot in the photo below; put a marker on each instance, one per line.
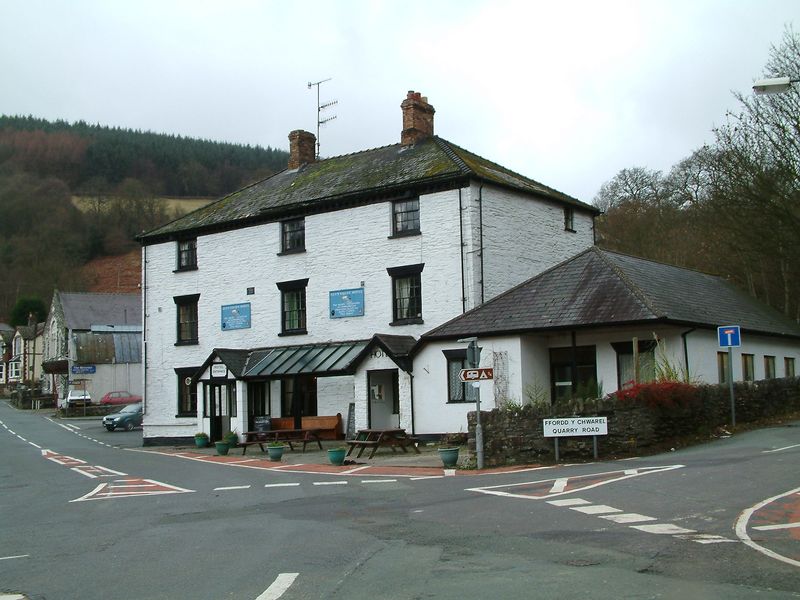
(201, 442)
(275, 453)
(336, 455)
(449, 457)
(222, 447)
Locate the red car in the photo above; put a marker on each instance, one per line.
(120, 398)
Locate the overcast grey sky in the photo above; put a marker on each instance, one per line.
(566, 92)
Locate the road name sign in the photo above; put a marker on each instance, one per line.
(575, 426)
(483, 374)
(729, 336)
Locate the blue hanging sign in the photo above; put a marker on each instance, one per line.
(83, 369)
(236, 316)
(347, 303)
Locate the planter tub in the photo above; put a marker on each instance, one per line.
(336, 455)
(449, 457)
(222, 448)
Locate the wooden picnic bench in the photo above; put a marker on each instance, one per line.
(290, 436)
(375, 438)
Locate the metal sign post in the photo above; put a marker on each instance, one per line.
(730, 336)
(473, 360)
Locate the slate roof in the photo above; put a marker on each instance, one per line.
(81, 311)
(598, 288)
(367, 176)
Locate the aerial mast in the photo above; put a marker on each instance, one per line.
(320, 108)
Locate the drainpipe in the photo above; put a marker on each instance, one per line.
(413, 428)
(480, 221)
(461, 236)
(144, 330)
(686, 350)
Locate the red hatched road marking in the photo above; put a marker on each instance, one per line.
(130, 487)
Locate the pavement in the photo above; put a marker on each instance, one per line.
(385, 462)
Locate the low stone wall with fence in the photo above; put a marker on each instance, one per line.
(646, 416)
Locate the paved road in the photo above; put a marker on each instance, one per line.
(86, 514)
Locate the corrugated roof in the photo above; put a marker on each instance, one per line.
(598, 288)
(365, 176)
(106, 348)
(81, 311)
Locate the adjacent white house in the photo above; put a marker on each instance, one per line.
(306, 292)
(596, 323)
(93, 342)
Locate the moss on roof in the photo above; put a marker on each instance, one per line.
(323, 184)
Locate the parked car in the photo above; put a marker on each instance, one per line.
(78, 398)
(128, 418)
(120, 397)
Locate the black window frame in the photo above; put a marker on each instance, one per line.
(788, 366)
(455, 361)
(293, 239)
(296, 286)
(191, 301)
(405, 217)
(769, 367)
(413, 273)
(569, 219)
(187, 394)
(722, 367)
(186, 257)
(748, 367)
(579, 361)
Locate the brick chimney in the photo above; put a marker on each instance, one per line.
(417, 119)
(302, 148)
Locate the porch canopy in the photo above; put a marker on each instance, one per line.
(324, 359)
(337, 358)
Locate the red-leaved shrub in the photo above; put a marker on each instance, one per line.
(668, 394)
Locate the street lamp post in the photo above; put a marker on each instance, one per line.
(774, 85)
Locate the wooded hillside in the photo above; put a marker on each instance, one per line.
(120, 176)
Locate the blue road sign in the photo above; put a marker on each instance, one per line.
(729, 336)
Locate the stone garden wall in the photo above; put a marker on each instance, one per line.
(650, 415)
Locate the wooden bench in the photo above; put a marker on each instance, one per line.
(361, 445)
(290, 436)
(328, 427)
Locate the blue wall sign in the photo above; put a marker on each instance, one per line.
(83, 369)
(347, 303)
(729, 336)
(236, 316)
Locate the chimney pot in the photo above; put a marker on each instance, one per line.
(302, 148)
(417, 118)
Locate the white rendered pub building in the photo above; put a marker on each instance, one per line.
(305, 293)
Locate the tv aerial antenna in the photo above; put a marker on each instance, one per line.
(321, 107)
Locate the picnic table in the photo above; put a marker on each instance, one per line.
(375, 438)
(298, 436)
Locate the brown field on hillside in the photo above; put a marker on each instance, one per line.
(185, 205)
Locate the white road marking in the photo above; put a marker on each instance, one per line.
(12, 557)
(781, 526)
(595, 509)
(744, 518)
(71, 426)
(278, 587)
(662, 529)
(426, 477)
(568, 502)
(559, 485)
(626, 518)
(449, 472)
(232, 487)
(35, 445)
(355, 470)
(779, 449)
(330, 483)
(275, 485)
(22, 438)
(12, 431)
(378, 480)
(493, 490)
(705, 538)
